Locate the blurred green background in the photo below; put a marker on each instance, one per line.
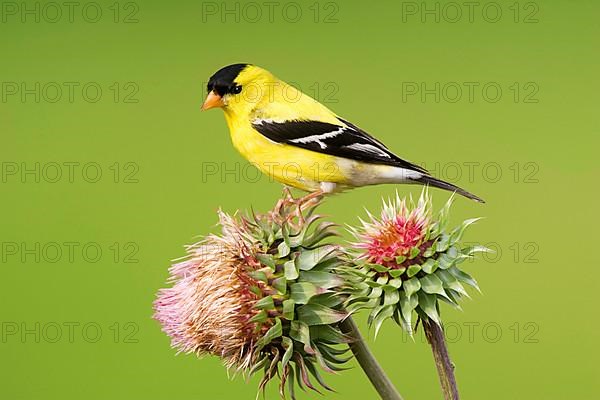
(108, 169)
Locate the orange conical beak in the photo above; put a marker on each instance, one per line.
(212, 100)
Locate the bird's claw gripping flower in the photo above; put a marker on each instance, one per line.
(262, 295)
(407, 261)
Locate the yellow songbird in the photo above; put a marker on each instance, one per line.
(298, 141)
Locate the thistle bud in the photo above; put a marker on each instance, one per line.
(262, 296)
(407, 260)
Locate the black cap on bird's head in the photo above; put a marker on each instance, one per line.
(221, 83)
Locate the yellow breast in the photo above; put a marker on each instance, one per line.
(290, 165)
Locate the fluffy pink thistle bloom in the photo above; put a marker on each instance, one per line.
(209, 307)
(263, 295)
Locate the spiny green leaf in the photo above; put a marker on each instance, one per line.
(316, 314)
(290, 270)
(395, 273)
(325, 280)
(444, 262)
(434, 231)
(313, 371)
(290, 383)
(414, 251)
(288, 309)
(407, 305)
(329, 264)
(359, 305)
(274, 332)
(331, 300)
(321, 360)
(464, 277)
(400, 259)
(261, 317)
(378, 267)
(259, 365)
(471, 250)
(266, 303)
(413, 270)
(328, 334)
(395, 283)
(450, 299)
(311, 218)
(331, 357)
(334, 350)
(308, 259)
(391, 297)
(389, 287)
(382, 316)
(280, 284)
(300, 332)
(432, 284)
(382, 280)
(354, 307)
(376, 293)
(296, 240)
(454, 297)
(373, 284)
(374, 312)
(302, 361)
(283, 249)
(458, 232)
(411, 286)
(324, 230)
(301, 292)
(429, 251)
(266, 259)
(259, 275)
(443, 214)
(442, 244)
(256, 290)
(299, 375)
(452, 252)
(429, 266)
(451, 282)
(397, 317)
(288, 345)
(427, 303)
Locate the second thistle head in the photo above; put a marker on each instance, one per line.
(408, 260)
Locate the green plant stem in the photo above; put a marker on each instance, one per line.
(445, 367)
(368, 363)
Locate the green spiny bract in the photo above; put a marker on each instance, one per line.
(300, 304)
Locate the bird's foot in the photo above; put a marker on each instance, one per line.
(300, 205)
(310, 199)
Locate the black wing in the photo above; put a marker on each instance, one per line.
(345, 140)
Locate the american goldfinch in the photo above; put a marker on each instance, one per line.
(298, 141)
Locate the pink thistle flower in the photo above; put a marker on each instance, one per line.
(209, 307)
(263, 296)
(407, 261)
(390, 238)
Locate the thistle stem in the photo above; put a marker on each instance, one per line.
(445, 367)
(368, 363)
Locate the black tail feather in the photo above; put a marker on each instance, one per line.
(438, 183)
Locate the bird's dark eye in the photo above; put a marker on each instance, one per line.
(236, 89)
